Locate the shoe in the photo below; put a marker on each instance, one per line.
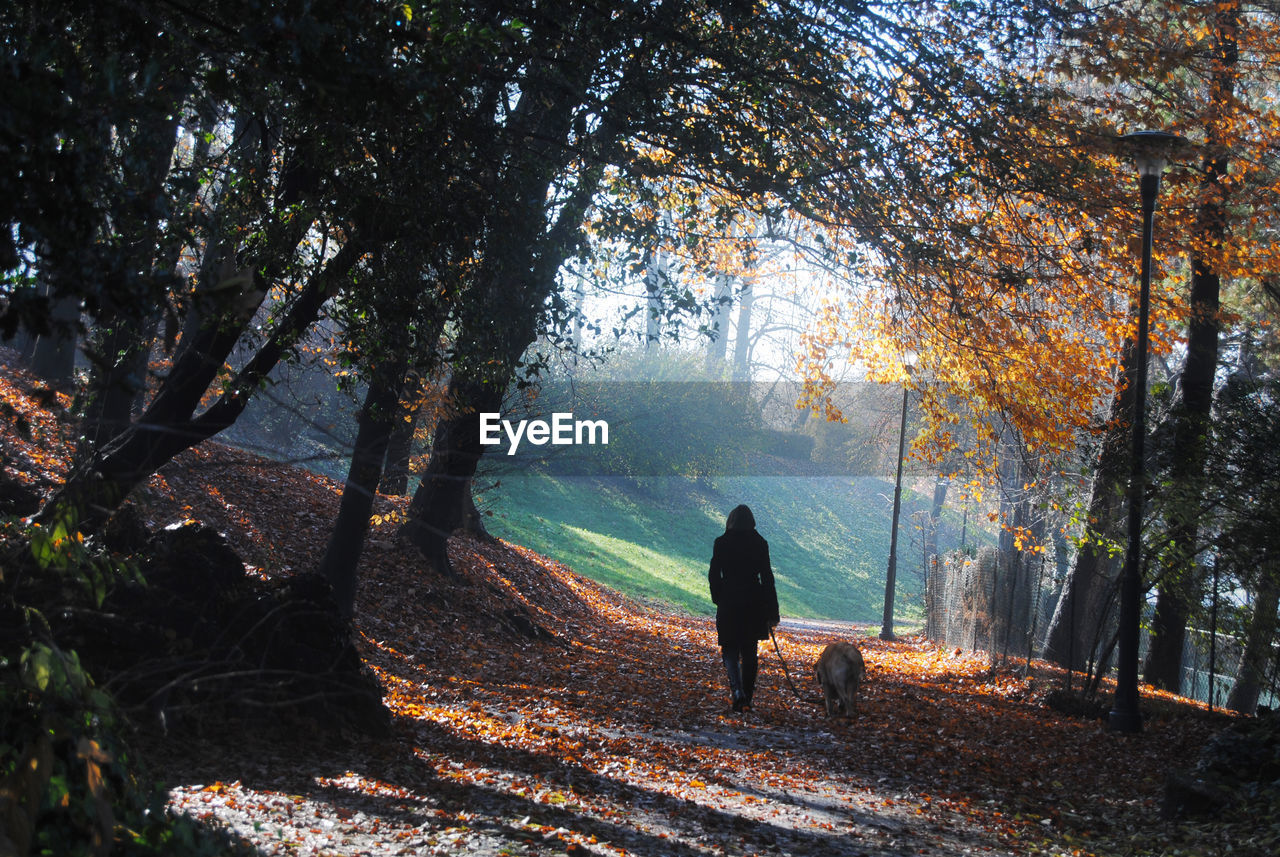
(739, 702)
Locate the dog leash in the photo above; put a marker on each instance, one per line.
(786, 672)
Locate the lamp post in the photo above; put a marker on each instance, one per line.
(890, 583)
(1150, 151)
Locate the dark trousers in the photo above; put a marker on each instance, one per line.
(742, 663)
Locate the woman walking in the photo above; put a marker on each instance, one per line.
(745, 598)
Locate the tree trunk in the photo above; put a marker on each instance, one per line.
(742, 337)
(346, 541)
(440, 503)
(931, 558)
(113, 386)
(521, 255)
(1179, 586)
(23, 342)
(1089, 592)
(718, 348)
(579, 313)
(53, 355)
(1009, 600)
(655, 279)
(940, 486)
(395, 474)
(1257, 647)
(472, 518)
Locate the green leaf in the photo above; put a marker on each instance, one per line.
(38, 666)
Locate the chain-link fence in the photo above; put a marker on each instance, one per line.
(975, 600)
(1210, 664)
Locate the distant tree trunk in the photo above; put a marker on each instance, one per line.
(940, 486)
(1179, 586)
(217, 256)
(53, 355)
(718, 348)
(655, 277)
(1061, 570)
(1257, 647)
(346, 541)
(1089, 590)
(742, 337)
(931, 558)
(23, 342)
(579, 304)
(1034, 578)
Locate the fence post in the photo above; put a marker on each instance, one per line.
(1213, 639)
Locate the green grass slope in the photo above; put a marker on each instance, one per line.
(651, 538)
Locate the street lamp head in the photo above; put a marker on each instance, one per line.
(909, 360)
(1150, 164)
(1151, 150)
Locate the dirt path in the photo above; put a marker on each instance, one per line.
(490, 768)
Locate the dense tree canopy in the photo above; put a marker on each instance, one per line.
(190, 190)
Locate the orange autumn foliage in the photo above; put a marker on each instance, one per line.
(1018, 296)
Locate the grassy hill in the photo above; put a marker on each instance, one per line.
(651, 538)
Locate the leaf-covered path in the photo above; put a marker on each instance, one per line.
(537, 713)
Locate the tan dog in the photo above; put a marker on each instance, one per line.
(840, 671)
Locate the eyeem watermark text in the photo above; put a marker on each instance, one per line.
(562, 430)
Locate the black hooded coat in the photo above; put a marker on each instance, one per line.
(742, 587)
